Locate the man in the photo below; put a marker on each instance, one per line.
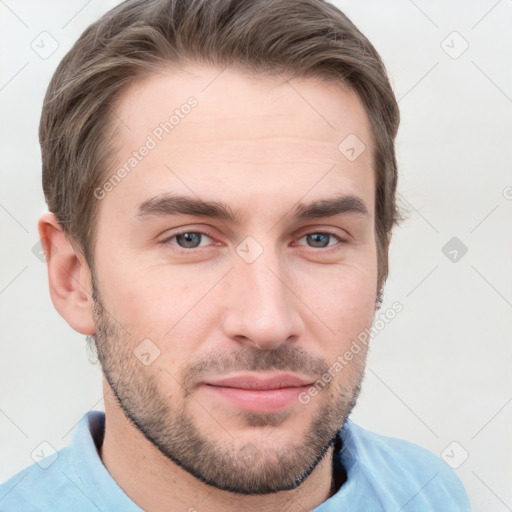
(221, 180)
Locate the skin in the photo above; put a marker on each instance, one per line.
(260, 145)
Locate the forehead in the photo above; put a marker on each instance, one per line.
(230, 99)
(211, 130)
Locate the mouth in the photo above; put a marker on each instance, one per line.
(260, 393)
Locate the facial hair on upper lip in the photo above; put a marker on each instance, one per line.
(284, 358)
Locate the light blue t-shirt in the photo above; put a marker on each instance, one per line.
(382, 474)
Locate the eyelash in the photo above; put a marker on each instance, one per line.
(205, 233)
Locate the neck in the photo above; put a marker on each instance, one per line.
(155, 483)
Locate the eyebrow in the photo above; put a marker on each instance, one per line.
(169, 204)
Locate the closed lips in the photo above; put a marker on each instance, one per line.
(258, 383)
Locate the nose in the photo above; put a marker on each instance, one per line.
(261, 308)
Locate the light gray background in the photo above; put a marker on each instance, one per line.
(440, 371)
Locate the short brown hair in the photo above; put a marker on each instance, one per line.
(304, 38)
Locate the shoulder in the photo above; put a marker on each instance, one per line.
(401, 473)
(54, 482)
(41, 485)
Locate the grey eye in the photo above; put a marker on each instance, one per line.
(318, 239)
(188, 240)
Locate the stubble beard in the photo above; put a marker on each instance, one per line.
(236, 466)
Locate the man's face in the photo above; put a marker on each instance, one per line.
(210, 329)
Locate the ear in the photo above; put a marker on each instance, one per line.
(69, 276)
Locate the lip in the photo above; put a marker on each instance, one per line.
(257, 393)
(262, 381)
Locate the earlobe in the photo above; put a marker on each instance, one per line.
(69, 276)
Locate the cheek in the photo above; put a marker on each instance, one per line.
(152, 300)
(346, 294)
(343, 304)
